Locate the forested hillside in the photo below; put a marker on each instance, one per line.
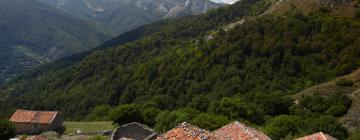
(32, 33)
(193, 69)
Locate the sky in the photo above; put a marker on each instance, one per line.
(225, 1)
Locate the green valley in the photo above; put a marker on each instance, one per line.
(259, 62)
(33, 33)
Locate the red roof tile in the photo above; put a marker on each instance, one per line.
(186, 131)
(238, 131)
(27, 116)
(317, 136)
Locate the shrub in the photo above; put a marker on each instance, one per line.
(326, 124)
(344, 82)
(124, 114)
(100, 113)
(7, 130)
(355, 135)
(149, 115)
(336, 110)
(167, 120)
(283, 126)
(357, 14)
(210, 121)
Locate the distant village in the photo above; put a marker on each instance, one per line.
(33, 124)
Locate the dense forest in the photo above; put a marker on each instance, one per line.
(192, 69)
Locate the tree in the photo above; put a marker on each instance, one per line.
(167, 120)
(283, 126)
(210, 121)
(7, 130)
(200, 103)
(235, 108)
(127, 113)
(336, 110)
(149, 115)
(273, 104)
(100, 113)
(326, 124)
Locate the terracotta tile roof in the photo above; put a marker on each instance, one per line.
(238, 131)
(186, 131)
(27, 116)
(317, 136)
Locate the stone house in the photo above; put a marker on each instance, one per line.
(317, 136)
(233, 131)
(239, 131)
(186, 131)
(35, 122)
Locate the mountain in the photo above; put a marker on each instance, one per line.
(225, 1)
(239, 62)
(338, 7)
(120, 16)
(161, 32)
(33, 33)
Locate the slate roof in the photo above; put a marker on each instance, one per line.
(238, 131)
(317, 136)
(133, 131)
(187, 131)
(39, 117)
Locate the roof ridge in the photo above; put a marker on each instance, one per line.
(322, 134)
(54, 116)
(36, 118)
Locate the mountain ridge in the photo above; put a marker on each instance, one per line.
(125, 15)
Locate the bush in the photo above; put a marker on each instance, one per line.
(210, 121)
(286, 126)
(344, 82)
(7, 130)
(335, 104)
(100, 113)
(149, 115)
(357, 14)
(167, 120)
(336, 110)
(283, 126)
(124, 114)
(355, 135)
(326, 124)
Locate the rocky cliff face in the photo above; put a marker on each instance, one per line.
(173, 8)
(124, 15)
(332, 3)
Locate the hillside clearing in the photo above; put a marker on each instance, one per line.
(351, 119)
(87, 127)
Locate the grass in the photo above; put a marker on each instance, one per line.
(87, 127)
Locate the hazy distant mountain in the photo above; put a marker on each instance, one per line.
(123, 15)
(225, 1)
(32, 33)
